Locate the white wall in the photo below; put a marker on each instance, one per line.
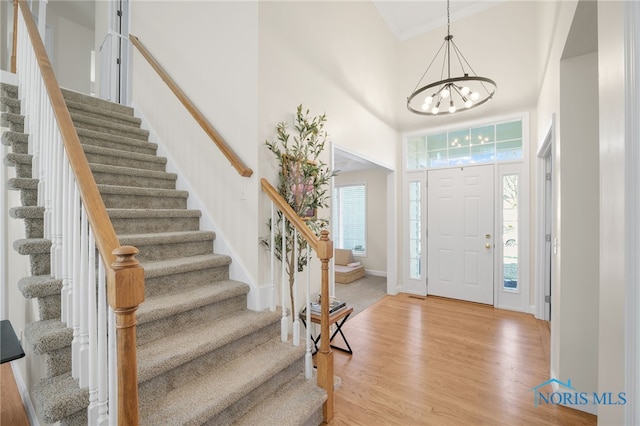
(611, 65)
(337, 58)
(210, 50)
(375, 262)
(578, 217)
(72, 52)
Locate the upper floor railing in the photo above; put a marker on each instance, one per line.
(98, 305)
(323, 248)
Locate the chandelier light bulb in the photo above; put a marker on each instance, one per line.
(464, 91)
(444, 93)
(452, 107)
(467, 102)
(436, 109)
(425, 106)
(475, 96)
(428, 100)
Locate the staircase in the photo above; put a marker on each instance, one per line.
(203, 357)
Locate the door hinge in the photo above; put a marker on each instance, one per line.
(548, 176)
(119, 13)
(547, 299)
(547, 238)
(118, 61)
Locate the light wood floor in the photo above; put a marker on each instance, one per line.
(437, 361)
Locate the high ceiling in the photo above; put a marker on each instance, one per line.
(407, 19)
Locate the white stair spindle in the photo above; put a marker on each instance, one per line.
(308, 357)
(92, 410)
(284, 322)
(103, 366)
(113, 367)
(272, 272)
(294, 308)
(83, 286)
(75, 279)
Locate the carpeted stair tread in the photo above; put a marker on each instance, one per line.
(47, 336)
(27, 212)
(10, 104)
(17, 140)
(13, 159)
(39, 286)
(9, 90)
(129, 171)
(71, 95)
(208, 395)
(186, 264)
(27, 246)
(94, 138)
(101, 113)
(23, 183)
(291, 405)
(161, 306)
(149, 192)
(59, 397)
(165, 237)
(84, 122)
(198, 341)
(153, 161)
(9, 119)
(152, 214)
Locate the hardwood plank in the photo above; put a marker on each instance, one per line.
(11, 409)
(444, 362)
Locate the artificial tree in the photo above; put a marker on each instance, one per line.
(303, 181)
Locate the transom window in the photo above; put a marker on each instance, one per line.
(470, 145)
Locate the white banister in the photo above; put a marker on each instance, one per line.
(84, 304)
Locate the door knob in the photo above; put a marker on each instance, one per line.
(487, 246)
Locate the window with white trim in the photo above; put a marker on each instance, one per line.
(349, 218)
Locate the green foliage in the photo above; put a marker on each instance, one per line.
(303, 181)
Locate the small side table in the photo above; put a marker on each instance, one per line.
(338, 318)
(10, 348)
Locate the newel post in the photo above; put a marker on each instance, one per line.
(126, 292)
(324, 358)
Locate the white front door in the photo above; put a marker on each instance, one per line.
(460, 247)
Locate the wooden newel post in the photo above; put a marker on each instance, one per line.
(126, 292)
(324, 358)
(15, 36)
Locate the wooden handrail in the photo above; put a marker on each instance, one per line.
(222, 145)
(125, 277)
(323, 247)
(15, 36)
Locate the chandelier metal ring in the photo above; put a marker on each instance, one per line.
(489, 92)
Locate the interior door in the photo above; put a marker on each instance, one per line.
(460, 221)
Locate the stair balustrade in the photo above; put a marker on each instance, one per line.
(323, 248)
(100, 295)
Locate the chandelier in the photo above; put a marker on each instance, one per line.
(451, 94)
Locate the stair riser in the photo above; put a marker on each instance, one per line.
(124, 201)
(172, 250)
(80, 418)
(14, 122)
(112, 160)
(40, 264)
(49, 307)
(148, 332)
(243, 405)
(154, 224)
(34, 228)
(172, 283)
(58, 361)
(122, 146)
(186, 373)
(10, 105)
(23, 170)
(133, 181)
(129, 133)
(9, 91)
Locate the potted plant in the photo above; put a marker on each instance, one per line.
(303, 181)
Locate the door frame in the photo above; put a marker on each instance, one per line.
(545, 150)
(503, 299)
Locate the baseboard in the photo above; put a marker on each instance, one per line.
(375, 273)
(24, 394)
(8, 78)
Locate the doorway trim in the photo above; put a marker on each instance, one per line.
(545, 149)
